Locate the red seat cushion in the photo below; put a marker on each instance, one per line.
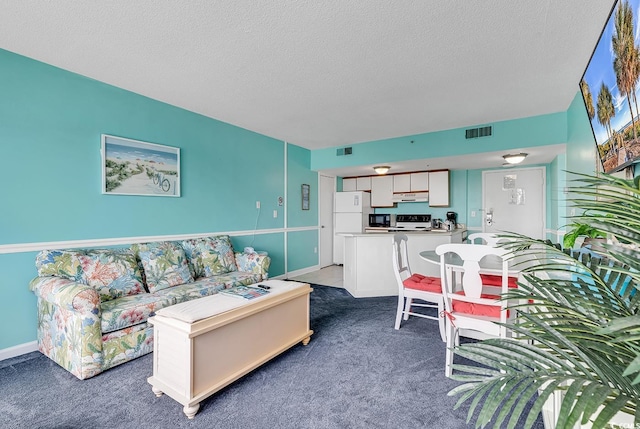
(495, 280)
(477, 309)
(425, 283)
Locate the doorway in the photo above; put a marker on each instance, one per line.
(327, 187)
(514, 200)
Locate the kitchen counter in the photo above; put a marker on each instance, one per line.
(375, 230)
(368, 267)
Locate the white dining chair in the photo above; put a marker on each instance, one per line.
(469, 306)
(488, 238)
(491, 239)
(426, 290)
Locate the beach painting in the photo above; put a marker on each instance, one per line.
(132, 167)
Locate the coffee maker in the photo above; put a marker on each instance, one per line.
(451, 221)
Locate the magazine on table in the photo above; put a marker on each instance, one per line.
(246, 292)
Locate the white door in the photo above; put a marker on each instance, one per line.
(327, 188)
(513, 200)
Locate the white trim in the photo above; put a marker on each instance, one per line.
(18, 350)
(286, 206)
(98, 242)
(303, 271)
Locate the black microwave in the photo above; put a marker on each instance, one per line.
(382, 220)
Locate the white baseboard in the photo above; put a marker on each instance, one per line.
(303, 271)
(18, 350)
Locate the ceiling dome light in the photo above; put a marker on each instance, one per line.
(515, 158)
(381, 169)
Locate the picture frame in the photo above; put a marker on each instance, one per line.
(306, 190)
(134, 167)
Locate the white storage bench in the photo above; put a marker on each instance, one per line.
(203, 345)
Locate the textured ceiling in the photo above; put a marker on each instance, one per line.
(323, 73)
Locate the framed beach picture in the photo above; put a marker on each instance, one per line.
(132, 167)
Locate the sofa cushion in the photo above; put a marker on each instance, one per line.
(202, 287)
(131, 310)
(113, 273)
(165, 264)
(210, 256)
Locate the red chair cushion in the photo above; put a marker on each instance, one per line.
(477, 309)
(425, 283)
(495, 280)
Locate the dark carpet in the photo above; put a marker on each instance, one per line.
(357, 372)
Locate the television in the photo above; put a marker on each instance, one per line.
(610, 87)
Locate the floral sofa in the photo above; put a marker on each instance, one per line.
(93, 304)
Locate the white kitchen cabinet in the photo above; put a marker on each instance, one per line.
(402, 183)
(382, 191)
(439, 188)
(349, 184)
(363, 183)
(420, 182)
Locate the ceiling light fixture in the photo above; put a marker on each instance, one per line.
(515, 158)
(381, 169)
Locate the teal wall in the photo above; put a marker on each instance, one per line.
(50, 167)
(534, 131)
(581, 146)
(50, 134)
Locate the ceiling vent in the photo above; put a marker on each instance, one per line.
(474, 133)
(344, 151)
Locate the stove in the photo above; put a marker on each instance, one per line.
(421, 222)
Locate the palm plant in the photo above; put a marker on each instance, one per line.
(578, 328)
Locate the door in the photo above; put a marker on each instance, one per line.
(514, 201)
(327, 187)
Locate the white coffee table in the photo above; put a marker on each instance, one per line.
(203, 345)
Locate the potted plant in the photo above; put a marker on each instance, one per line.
(582, 230)
(577, 338)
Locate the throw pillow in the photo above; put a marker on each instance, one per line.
(211, 256)
(165, 265)
(113, 273)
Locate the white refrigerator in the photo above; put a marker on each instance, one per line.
(351, 215)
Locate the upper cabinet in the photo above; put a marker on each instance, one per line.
(349, 185)
(363, 183)
(356, 184)
(439, 188)
(382, 188)
(401, 183)
(382, 191)
(420, 182)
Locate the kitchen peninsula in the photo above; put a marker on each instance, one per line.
(368, 269)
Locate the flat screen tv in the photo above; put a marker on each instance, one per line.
(610, 87)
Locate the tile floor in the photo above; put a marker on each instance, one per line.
(327, 276)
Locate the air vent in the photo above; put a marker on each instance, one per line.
(344, 151)
(474, 133)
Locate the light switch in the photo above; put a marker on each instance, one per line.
(275, 214)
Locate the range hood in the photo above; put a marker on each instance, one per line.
(410, 197)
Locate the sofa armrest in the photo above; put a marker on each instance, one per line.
(257, 263)
(67, 294)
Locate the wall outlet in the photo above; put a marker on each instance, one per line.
(473, 213)
(275, 214)
(572, 212)
(280, 201)
(315, 250)
(257, 204)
